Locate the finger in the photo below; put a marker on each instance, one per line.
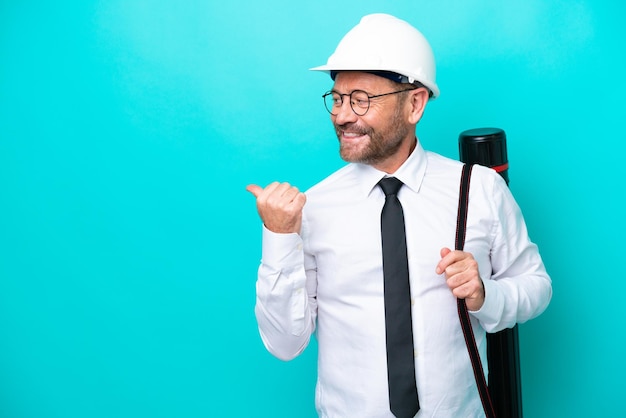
(471, 291)
(264, 194)
(456, 278)
(459, 259)
(286, 196)
(459, 275)
(443, 263)
(291, 194)
(260, 192)
(285, 191)
(299, 200)
(462, 269)
(254, 189)
(463, 291)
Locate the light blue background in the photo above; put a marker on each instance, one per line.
(127, 288)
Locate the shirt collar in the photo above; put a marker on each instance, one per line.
(411, 172)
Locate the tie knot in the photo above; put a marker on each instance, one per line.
(390, 185)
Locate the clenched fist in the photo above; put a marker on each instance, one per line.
(462, 277)
(280, 206)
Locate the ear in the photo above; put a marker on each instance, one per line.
(417, 102)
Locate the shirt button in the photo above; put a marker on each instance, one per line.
(299, 247)
(414, 353)
(412, 301)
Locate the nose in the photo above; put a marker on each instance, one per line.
(345, 114)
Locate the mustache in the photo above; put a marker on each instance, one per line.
(353, 127)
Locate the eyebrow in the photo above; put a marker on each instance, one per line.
(338, 92)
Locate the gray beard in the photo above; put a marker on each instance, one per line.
(379, 147)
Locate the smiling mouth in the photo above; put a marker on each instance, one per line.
(351, 137)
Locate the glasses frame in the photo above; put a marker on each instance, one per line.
(369, 99)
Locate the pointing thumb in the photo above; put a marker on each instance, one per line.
(254, 189)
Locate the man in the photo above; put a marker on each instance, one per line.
(322, 262)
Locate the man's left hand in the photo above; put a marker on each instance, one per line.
(462, 277)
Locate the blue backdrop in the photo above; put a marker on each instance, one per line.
(126, 290)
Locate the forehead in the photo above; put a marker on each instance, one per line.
(346, 81)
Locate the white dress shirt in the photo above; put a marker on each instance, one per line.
(329, 280)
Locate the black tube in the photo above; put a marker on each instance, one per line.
(487, 146)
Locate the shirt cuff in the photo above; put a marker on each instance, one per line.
(281, 250)
(490, 313)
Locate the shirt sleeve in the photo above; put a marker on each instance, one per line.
(286, 305)
(519, 288)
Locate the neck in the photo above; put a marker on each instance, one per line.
(393, 163)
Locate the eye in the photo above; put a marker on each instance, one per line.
(361, 102)
(360, 99)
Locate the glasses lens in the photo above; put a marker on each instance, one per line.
(332, 101)
(360, 102)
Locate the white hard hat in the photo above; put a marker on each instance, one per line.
(384, 43)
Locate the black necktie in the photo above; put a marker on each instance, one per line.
(403, 400)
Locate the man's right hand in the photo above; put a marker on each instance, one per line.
(280, 206)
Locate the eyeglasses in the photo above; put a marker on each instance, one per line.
(359, 100)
